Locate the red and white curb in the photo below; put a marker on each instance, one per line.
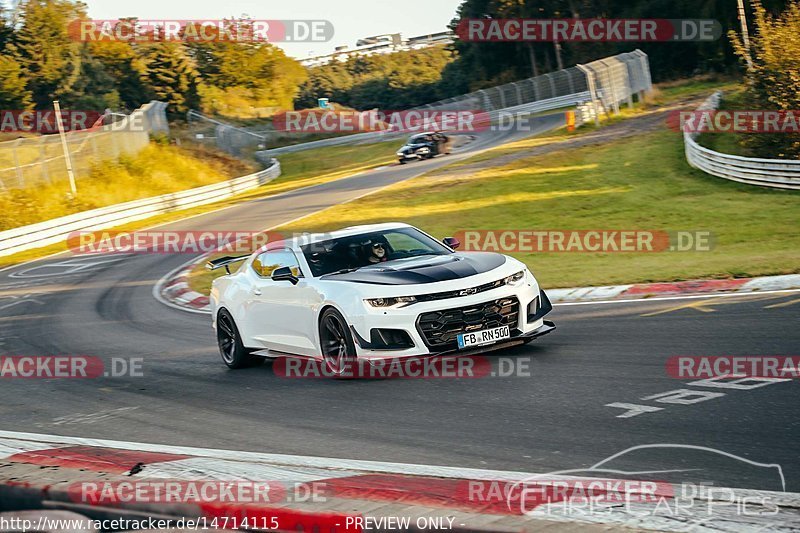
(711, 287)
(388, 489)
(173, 289)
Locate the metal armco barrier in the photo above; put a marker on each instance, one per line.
(58, 229)
(776, 173)
(377, 136)
(605, 83)
(356, 138)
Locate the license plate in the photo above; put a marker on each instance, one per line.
(484, 336)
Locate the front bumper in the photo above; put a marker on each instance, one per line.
(532, 305)
(546, 327)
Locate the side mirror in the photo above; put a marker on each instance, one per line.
(284, 274)
(452, 242)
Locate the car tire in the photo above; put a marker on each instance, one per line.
(402, 161)
(336, 343)
(229, 341)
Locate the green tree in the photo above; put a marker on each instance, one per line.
(773, 82)
(392, 81)
(481, 64)
(96, 88)
(171, 77)
(124, 66)
(328, 81)
(6, 29)
(50, 59)
(240, 76)
(13, 92)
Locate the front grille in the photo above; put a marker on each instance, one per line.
(440, 328)
(461, 292)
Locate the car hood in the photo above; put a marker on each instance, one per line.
(424, 269)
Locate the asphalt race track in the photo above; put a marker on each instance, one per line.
(552, 416)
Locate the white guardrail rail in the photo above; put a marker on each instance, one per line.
(777, 173)
(58, 229)
(377, 136)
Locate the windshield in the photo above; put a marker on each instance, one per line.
(356, 251)
(416, 139)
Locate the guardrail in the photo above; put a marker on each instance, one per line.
(605, 83)
(377, 136)
(58, 229)
(776, 173)
(356, 138)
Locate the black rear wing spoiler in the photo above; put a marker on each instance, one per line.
(225, 262)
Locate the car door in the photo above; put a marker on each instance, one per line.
(279, 314)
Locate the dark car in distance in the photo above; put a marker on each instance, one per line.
(424, 146)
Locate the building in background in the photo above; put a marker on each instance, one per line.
(387, 43)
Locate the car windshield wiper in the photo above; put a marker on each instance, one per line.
(345, 270)
(423, 253)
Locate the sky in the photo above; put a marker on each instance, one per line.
(351, 19)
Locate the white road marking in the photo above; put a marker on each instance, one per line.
(692, 396)
(684, 297)
(68, 267)
(89, 418)
(16, 300)
(9, 447)
(227, 465)
(326, 463)
(231, 470)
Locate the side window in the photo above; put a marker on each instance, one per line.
(267, 262)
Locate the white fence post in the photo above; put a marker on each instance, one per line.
(20, 177)
(592, 91)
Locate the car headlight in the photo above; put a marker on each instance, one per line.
(399, 301)
(423, 150)
(514, 279)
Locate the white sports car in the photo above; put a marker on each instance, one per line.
(372, 292)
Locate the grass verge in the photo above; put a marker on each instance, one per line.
(156, 170)
(300, 169)
(641, 183)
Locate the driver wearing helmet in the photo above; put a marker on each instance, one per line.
(376, 252)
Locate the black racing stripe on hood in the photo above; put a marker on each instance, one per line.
(430, 269)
